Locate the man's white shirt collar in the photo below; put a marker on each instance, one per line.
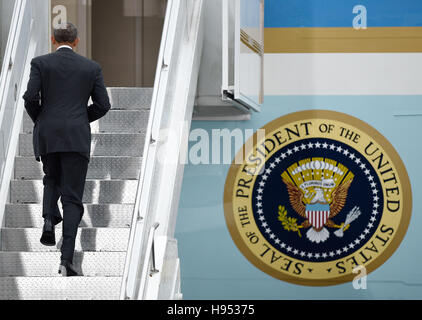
(64, 46)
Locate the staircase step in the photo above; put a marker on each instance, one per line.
(88, 239)
(115, 121)
(121, 168)
(95, 215)
(103, 144)
(60, 288)
(46, 264)
(130, 98)
(96, 191)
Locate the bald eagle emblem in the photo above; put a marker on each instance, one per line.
(318, 191)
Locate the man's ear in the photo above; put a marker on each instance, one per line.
(53, 41)
(76, 42)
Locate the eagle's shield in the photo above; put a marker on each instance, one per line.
(317, 214)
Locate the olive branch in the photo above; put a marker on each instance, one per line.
(289, 224)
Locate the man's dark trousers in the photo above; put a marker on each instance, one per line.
(65, 174)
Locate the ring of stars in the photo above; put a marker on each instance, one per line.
(318, 255)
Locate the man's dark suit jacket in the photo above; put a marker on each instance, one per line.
(56, 99)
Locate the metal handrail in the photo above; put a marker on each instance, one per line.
(28, 37)
(150, 254)
(150, 142)
(7, 59)
(171, 108)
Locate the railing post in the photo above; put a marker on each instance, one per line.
(153, 269)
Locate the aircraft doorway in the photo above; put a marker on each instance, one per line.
(122, 35)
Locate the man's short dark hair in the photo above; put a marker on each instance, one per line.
(65, 33)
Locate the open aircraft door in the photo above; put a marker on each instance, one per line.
(243, 53)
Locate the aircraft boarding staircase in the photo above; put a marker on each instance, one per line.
(28, 270)
(125, 247)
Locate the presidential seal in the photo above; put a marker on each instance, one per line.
(316, 196)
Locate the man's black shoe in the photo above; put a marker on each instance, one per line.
(66, 269)
(48, 237)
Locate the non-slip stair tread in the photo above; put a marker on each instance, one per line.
(95, 215)
(130, 98)
(46, 264)
(115, 121)
(119, 168)
(88, 239)
(60, 288)
(96, 191)
(122, 121)
(102, 144)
